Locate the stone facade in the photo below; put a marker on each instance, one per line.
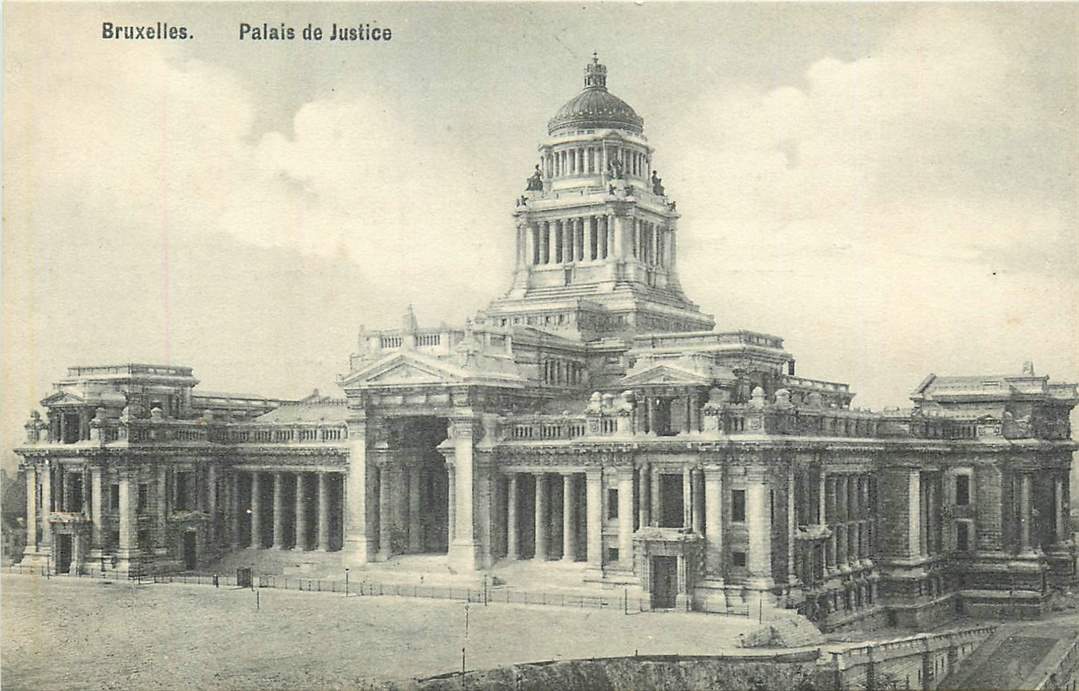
(592, 414)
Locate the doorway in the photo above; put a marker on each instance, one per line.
(664, 582)
(190, 548)
(63, 553)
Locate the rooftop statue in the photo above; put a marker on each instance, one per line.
(614, 169)
(657, 184)
(535, 183)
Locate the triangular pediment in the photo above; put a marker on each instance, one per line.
(664, 375)
(62, 398)
(405, 369)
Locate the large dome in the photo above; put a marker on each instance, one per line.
(595, 107)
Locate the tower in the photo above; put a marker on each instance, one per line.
(596, 233)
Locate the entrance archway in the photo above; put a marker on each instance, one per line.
(414, 489)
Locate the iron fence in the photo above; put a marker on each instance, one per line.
(618, 600)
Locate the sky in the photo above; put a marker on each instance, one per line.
(891, 188)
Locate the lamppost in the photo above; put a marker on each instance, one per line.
(346, 581)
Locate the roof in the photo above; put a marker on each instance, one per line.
(595, 107)
(324, 410)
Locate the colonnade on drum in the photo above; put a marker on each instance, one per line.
(305, 510)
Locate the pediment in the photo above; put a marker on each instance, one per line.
(62, 398)
(404, 369)
(665, 375)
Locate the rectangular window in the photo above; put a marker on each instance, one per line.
(739, 558)
(612, 554)
(612, 503)
(144, 495)
(738, 506)
(962, 490)
(114, 497)
(962, 536)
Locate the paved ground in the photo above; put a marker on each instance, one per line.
(76, 634)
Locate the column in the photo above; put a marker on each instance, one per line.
(643, 496)
(451, 504)
(211, 501)
(593, 237)
(357, 540)
(256, 510)
(531, 237)
(464, 550)
(625, 517)
(657, 498)
(594, 509)
(603, 235)
(547, 241)
(1060, 524)
(698, 500)
(1024, 513)
(234, 505)
(582, 251)
(127, 525)
(569, 519)
(541, 517)
(618, 227)
(278, 511)
(301, 515)
(511, 517)
(760, 533)
(914, 512)
(96, 496)
(687, 498)
(713, 520)
(385, 512)
(415, 543)
(822, 492)
(31, 510)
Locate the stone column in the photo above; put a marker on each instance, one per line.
(657, 497)
(930, 516)
(541, 518)
(822, 492)
(698, 500)
(914, 511)
(256, 511)
(234, 505)
(96, 520)
(128, 524)
(31, 510)
(760, 534)
(594, 507)
(415, 543)
(713, 520)
(464, 552)
(301, 516)
(1024, 513)
(211, 501)
(687, 498)
(451, 508)
(278, 511)
(643, 496)
(1060, 522)
(619, 239)
(569, 519)
(625, 517)
(385, 512)
(357, 538)
(323, 526)
(511, 517)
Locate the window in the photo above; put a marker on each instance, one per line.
(144, 495)
(962, 536)
(962, 490)
(739, 558)
(738, 506)
(612, 554)
(114, 497)
(612, 503)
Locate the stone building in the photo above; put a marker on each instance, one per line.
(591, 415)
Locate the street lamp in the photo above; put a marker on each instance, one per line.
(346, 581)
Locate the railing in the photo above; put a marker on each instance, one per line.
(546, 429)
(248, 433)
(616, 601)
(1062, 670)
